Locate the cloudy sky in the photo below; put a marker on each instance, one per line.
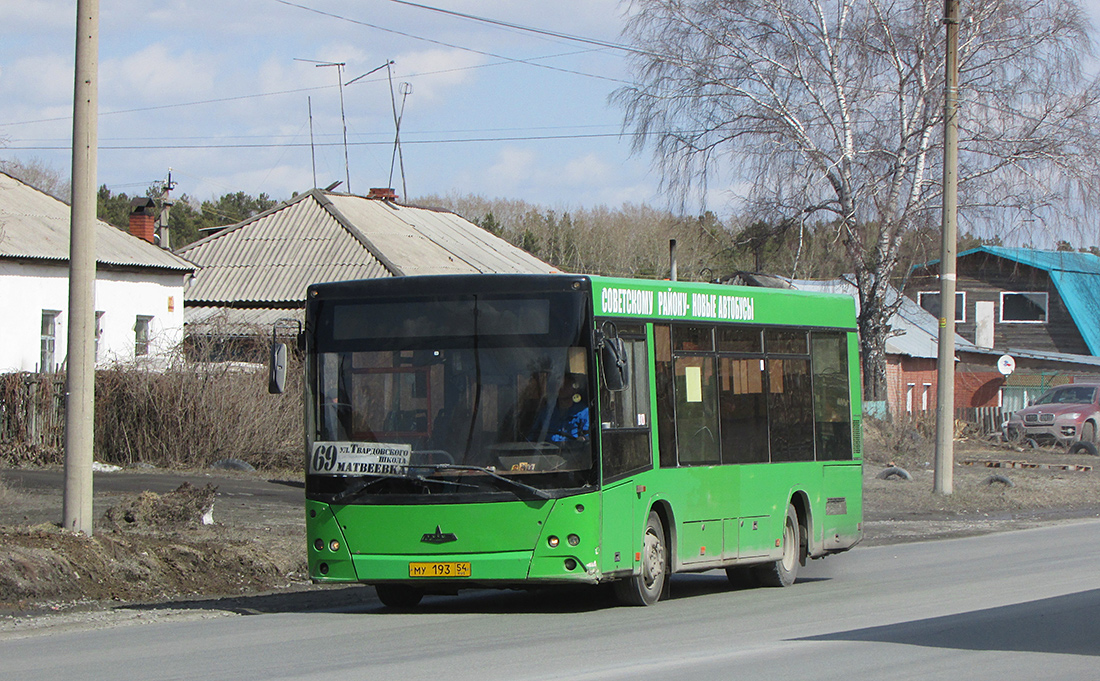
(220, 92)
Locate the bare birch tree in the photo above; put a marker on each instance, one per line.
(832, 110)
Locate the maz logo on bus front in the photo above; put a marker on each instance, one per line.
(438, 537)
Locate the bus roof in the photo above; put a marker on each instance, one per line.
(649, 299)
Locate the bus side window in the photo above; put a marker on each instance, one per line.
(832, 403)
(624, 415)
(666, 401)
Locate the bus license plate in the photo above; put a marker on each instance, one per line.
(447, 569)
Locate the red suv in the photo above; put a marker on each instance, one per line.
(1064, 415)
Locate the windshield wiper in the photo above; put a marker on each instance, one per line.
(516, 484)
(363, 485)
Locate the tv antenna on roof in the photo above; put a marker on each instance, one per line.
(343, 119)
(406, 90)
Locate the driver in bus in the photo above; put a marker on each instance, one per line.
(568, 420)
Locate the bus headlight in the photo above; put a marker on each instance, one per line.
(573, 540)
(553, 542)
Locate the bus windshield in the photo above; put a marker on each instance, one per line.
(460, 398)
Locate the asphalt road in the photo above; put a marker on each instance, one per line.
(1015, 605)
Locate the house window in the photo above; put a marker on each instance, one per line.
(141, 336)
(98, 331)
(49, 339)
(930, 300)
(909, 398)
(1024, 307)
(924, 396)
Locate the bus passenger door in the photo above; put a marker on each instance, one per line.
(626, 451)
(620, 527)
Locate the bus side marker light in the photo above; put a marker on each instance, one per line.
(637, 556)
(553, 542)
(777, 542)
(639, 488)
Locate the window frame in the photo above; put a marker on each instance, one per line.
(48, 340)
(960, 305)
(1046, 307)
(142, 342)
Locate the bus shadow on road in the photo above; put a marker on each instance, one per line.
(708, 583)
(349, 599)
(1062, 624)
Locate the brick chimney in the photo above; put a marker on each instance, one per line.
(142, 220)
(382, 194)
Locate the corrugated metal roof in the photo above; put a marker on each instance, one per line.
(916, 331)
(35, 225)
(1081, 294)
(1076, 277)
(230, 321)
(321, 237)
(1062, 261)
(422, 241)
(273, 257)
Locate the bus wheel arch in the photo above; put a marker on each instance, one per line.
(398, 596)
(650, 583)
(784, 570)
(801, 504)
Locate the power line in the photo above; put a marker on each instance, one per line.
(501, 62)
(453, 46)
(468, 140)
(520, 27)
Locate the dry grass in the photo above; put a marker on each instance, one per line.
(186, 413)
(1038, 479)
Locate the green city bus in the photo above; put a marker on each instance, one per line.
(500, 430)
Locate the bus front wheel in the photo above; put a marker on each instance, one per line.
(784, 571)
(645, 588)
(398, 596)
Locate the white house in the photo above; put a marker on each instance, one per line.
(138, 289)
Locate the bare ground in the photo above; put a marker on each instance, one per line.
(153, 549)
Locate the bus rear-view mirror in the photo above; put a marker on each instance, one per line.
(613, 362)
(276, 380)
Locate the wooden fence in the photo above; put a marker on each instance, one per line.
(32, 410)
(987, 420)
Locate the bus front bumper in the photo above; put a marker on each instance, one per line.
(495, 569)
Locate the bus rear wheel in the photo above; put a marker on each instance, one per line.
(398, 596)
(645, 588)
(784, 571)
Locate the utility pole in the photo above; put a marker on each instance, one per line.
(166, 212)
(80, 365)
(945, 391)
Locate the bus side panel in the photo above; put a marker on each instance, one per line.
(843, 518)
(766, 489)
(705, 501)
